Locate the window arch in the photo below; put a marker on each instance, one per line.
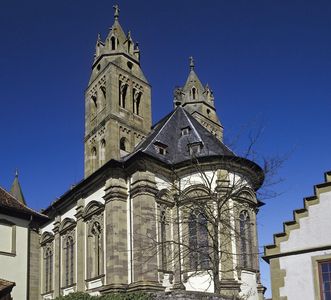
(198, 240)
(245, 239)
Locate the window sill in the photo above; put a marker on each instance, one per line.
(95, 278)
(68, 286)
(8, 253)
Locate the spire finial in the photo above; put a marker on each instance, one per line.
(16, 172)
(117, 11)
(191, 63)
(99, 37)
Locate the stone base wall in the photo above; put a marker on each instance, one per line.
(189, 295)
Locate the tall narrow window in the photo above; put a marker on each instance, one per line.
(245, 239)
(137, 103)
(69, 261)
(198, 241)
(123, 144)
(96, 232)
(93, 158)
(193, 243)
(102, 156)
(48, 269)
(203, 241)
(95, 248)
(113, 43)
(122, 94)
(324, 269)
(194, 93)
(163, 238)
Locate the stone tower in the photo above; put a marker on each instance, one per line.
(117, 100)
(199, 101)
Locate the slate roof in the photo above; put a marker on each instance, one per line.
(168, 134)
(10, 205)
(6, 286)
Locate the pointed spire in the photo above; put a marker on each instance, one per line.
(191, 63)
(116, 11)
(16, 190)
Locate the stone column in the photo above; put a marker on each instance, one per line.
(116, 234)
(57, 257)
(145, 273)
(177, 258)
(80, 240)
(229, 286)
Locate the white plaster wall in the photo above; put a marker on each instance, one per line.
(248, 286)
(97, 195)
(198, 178)
(14, 268)
(162, 183)
(200, 282)
(314, 230)
(299, 279)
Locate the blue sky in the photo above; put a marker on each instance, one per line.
(268, 63)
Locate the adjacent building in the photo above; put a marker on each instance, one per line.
(300, 258)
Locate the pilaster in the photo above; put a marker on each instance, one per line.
(144, 235)
(57, 257)
(80, 231)
(116, 237)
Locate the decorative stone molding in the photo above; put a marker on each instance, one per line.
(46, 237)
(115, 189)
(67, 224)
(93, 208)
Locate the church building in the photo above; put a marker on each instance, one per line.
(161, 208)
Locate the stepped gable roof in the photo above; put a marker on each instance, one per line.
(10, 205)
(178, 137)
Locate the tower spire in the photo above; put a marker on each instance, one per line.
(16, 190)
(191, 63)
(116, 11)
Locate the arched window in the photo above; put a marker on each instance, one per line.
(69, 261)
(123, 144)
(194, 93)
(137, 103)
(245, 239)
(198, 240)
(48, 268)
(93, 106)
(122, 93)
(102, 156)
(93, 158)
(95, 250)
(113, 43)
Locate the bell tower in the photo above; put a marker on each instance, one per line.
(117, 99)
(198, 100)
